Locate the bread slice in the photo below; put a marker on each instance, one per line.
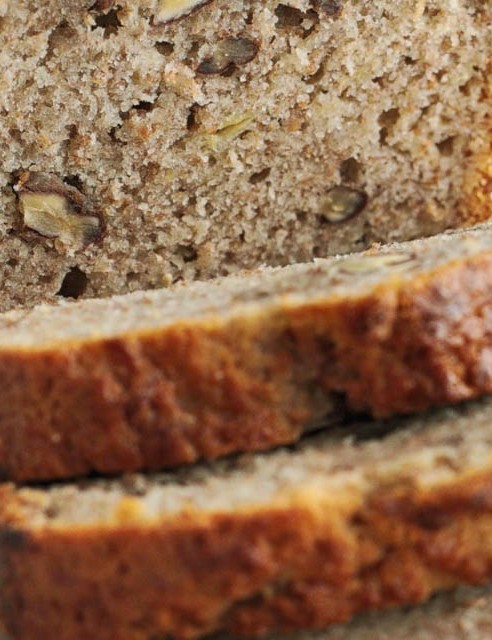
(461, 614)
(168, 377)
(159, 140)
(464, 614)
(297, 538)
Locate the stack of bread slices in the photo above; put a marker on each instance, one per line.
(302, 450)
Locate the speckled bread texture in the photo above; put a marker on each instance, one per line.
(463, 614)
(244, 133)
(459, 614)
(277, 542)
(244, 363)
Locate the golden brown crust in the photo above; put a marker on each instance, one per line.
(299, 565)
(476, 202)
(191, 391)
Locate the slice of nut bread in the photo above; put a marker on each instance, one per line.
(244, 363)
(463, 614)
(274, 542)
(460, 614)
(150, 141)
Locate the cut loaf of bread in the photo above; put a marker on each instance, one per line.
(272, 542)
(139, 148)
(155, 379)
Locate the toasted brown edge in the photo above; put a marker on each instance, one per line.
(306, 562)
(203, 389)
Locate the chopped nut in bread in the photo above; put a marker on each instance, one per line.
(56, 210)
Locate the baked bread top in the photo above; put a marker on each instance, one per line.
(297, 538)
(163, 378)
(138, 150)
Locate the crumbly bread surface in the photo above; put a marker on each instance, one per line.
(298, 538)
(460, 614)
(463, 614)
(245, 363)
(139, 150)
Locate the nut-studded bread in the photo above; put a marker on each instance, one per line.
(274, 542)
(154, 140)
(247, 362)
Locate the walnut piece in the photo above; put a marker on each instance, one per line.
(170, 10)
(228, 54)
(342, 203)
(288, 16)
(102, 5)
(56, 210)
(228, 132)
(370, 263)
(331, 8)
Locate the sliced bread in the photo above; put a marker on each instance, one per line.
(154, 140)
(459, 614)
(297, 538)
(247, 362)
(463, 614)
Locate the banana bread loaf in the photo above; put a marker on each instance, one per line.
(298, 538)
(246, 362)
(150, 141)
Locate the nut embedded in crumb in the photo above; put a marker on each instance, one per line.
(330, 8)
(169, 10)
(56, 210)
(230, 130)
(370, 263)
(342, 203)
(228, 54)
(102, 5)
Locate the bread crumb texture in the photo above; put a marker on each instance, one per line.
(298, 538)
(182, 140)
(459, 614)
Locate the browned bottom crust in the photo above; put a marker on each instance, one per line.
(291, 566)
(461, 614)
